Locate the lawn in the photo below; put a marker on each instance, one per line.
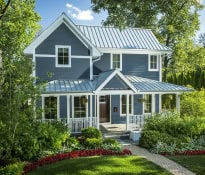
(102, 165)
(194, 163)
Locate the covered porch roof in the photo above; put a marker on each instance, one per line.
(137, 85)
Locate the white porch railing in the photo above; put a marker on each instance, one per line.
(76, 124)
(136, 122)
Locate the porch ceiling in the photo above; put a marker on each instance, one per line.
(136, 84)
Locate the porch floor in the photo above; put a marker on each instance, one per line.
(116, 131)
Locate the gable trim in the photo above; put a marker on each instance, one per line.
(63, 19)
(116, 72)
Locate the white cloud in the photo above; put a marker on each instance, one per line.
(79, 14)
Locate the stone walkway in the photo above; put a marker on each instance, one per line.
(162, 161)
(114, 132)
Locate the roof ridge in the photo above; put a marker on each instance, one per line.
(101, 26)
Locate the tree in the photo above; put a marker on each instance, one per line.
(4, 8)
(202, 39)
(174, 22)
(18, 28)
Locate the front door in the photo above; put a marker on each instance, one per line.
(104, 102)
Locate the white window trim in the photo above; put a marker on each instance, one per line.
(144, 105)
(132, 109)
(149, 60)
(86, 105)
(58, 105)
(111, 62)
(56, 55)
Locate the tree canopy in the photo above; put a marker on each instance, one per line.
(173, 22)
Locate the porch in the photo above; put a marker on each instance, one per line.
(136, 122)
(111, 97)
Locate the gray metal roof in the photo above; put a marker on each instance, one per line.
(68, 86)
(89, 86)
(147, 85)
(129, 38)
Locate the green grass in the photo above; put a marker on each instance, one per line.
(105, 165)
(195, 163)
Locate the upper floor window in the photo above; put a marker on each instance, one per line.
(116, 61)
(153, 62)
(63, 56)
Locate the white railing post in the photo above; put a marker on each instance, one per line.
(178, 103)
(91, 110)
(68, 109)
(98, 112)
(127, 112)
(43, 107)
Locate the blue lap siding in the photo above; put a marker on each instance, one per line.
(80, 69)
(62, 36)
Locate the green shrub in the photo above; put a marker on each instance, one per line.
(91, 137)
(111, 144)
(41, 137)
(12, 169)
(110, 141)
(72, 143)
(91, 132)
(170, 129)
(150, 138)
(93, 143)
(192, 104)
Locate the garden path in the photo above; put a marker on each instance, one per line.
(118, 132)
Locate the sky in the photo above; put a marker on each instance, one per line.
(80, 12)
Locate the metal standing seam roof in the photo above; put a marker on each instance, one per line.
(89, 86)
(147, 85)
(68, 86)
(129, 38)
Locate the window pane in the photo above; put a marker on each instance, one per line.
(153, 62)
(116, 61)
(147, 103)
(80, 106)
(50, 107)
(63, 56)
(124, 104)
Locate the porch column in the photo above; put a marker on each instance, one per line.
(43, 106)
(91, 110)
(127, 112)
(68, 109)
(153, 103)
(178, 103)
(98, 112)
(160, 103)
(58, 107)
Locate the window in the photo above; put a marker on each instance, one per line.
(80, 106)
(124, 104)
(102, 99)
(116, 61)
(63, 56)
(147, 103)
(153, 63)
(50, 107)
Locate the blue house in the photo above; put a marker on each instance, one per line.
(98, 74)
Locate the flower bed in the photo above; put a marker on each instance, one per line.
(188, 152)
(74, 154)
